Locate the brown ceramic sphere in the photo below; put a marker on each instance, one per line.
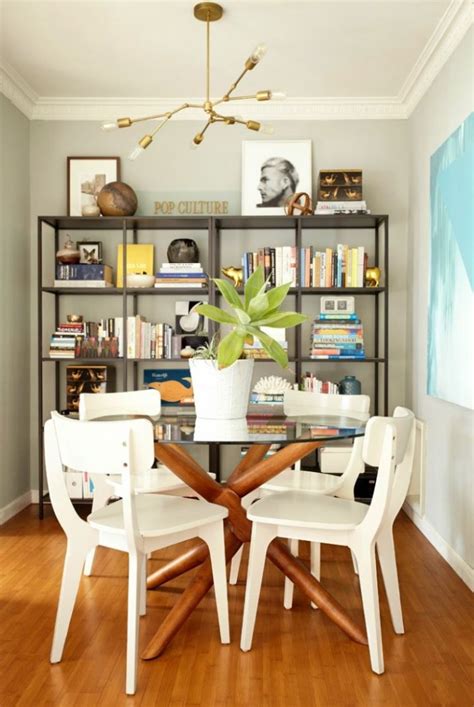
(117, 199)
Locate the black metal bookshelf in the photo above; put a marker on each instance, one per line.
(216, 228)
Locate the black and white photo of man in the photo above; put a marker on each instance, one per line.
(278, 181)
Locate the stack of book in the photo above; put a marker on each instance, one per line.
(279, 264)
(181, 275)
(65, 339)
(337, 337)
(341, 207)
(311, 384)
(83, 275)
(343, 266)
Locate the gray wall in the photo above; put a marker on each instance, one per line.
(449, 463)
(14, 303)
(169, 168)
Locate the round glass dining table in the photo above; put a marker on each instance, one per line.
(296, 437)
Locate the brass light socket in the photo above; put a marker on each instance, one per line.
(197, 139)
(263, 95)
(124, 122)
(145, 141)
(253, 125)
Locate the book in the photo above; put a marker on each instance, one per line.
(181, 275)
(139, 259)
(174, 385)
(82, 283)
(180, 267)
(83, 271)
(184, 284)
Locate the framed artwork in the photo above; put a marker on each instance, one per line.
(85, 178)
(450, 332)
(273, 170)
(90, 252)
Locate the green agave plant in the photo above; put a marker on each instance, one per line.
(259, 308)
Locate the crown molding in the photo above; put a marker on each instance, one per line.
(100, 109)
(447, 35)
(15, 88)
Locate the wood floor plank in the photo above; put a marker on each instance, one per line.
(299, 658)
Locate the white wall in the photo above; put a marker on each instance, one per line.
(449, 464)
(14, 309)
(170, 167)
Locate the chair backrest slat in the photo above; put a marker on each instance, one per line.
(388, 445)
(93, 447)
(134, 402)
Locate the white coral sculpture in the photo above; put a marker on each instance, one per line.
(272, 385)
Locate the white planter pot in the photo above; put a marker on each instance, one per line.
(221, 394)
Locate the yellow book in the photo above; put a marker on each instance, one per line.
(139, 260)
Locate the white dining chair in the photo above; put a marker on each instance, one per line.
(153, 480)
(299, 403)
(136, 524)
(388, 444)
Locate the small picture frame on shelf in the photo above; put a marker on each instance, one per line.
(272, 171)
(85, 178)
(90, 252)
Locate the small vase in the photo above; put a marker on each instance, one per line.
(349, 385)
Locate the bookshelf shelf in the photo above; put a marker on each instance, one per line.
(214, 231)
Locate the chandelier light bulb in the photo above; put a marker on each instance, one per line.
(277, 95)
(266, 129)
(136, 153)
(110, 125)
(258, 53)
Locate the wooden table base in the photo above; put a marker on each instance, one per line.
(251, 472)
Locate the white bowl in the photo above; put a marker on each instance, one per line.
(140, 280)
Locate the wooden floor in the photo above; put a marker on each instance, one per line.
(299, 658)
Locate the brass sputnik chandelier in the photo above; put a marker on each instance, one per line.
(206, 12)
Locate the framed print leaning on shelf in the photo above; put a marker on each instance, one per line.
(85, 178)
(273, 170)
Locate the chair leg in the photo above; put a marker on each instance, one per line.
(134, 580)
(262, 535)
(388, 564)
(72, 571)
(289, 586)
(213, 535)
(370, 601)
(315, 565)
(143, 573)
(102, 493)
(235, 566)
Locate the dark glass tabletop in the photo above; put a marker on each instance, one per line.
(256, 428)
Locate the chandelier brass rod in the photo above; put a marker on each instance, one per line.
(234, 85)
(208, 59)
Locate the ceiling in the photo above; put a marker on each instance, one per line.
(92, 56)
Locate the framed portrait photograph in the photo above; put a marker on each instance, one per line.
(85, 178)
(90, 252)
(273, 170)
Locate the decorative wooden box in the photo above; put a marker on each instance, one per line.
(340, 185)
(86, 379)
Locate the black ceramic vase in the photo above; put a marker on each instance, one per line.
(183, 250)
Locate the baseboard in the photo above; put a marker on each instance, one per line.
(15, 507)
(455, 561)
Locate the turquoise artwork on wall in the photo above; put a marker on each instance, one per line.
(450, 314)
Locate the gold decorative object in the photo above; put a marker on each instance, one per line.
(372, 276)
(299, 202)
(74, 318)
(352, 193)
(234, 274)
(206, 12)
(328, 180)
